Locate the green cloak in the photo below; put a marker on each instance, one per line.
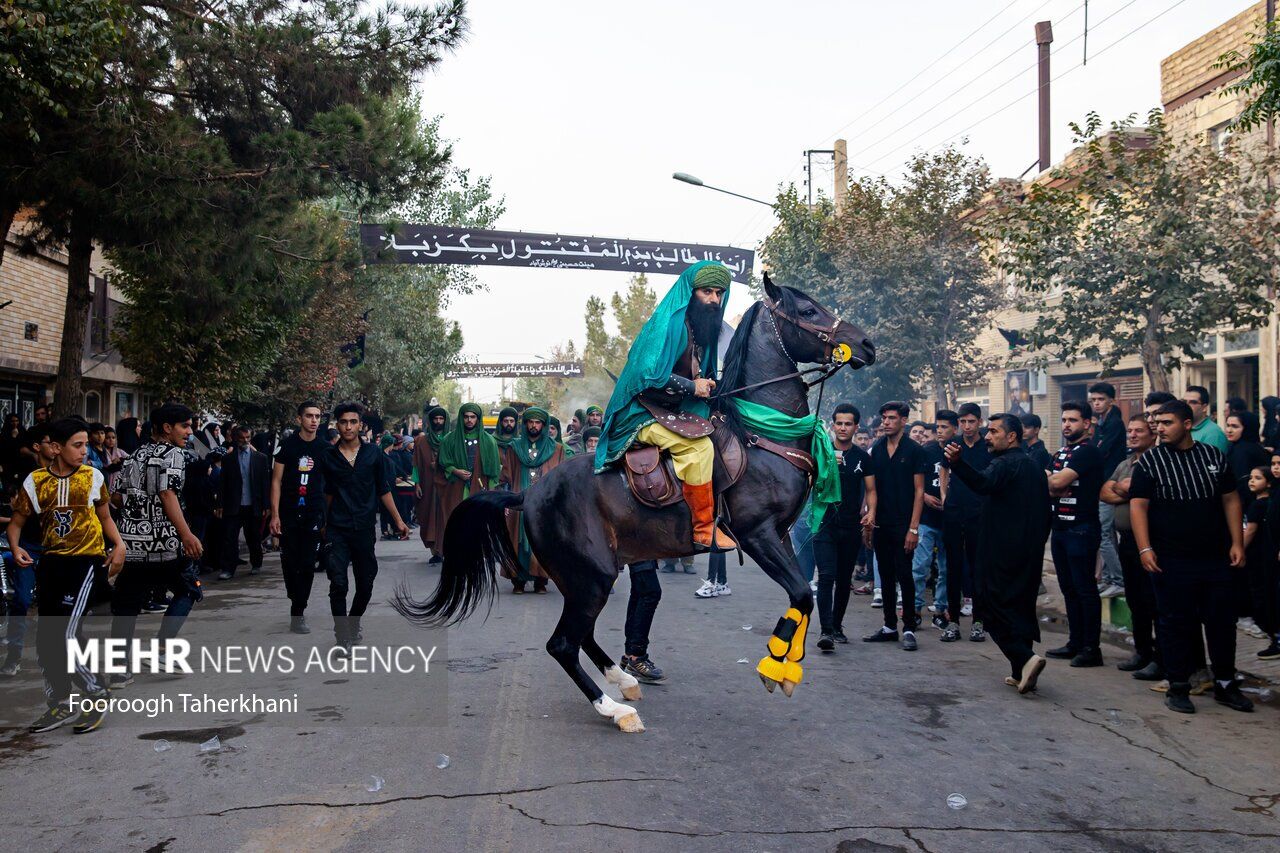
(453, 448)
(504, 440)
(652, 358)
(433, 437)
(532, 453)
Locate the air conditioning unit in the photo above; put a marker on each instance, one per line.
(1039, 382)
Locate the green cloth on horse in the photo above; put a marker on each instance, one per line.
(652, 359)
(433, 437)
(775, 425)
(453, 448)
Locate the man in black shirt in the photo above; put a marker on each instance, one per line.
(962, 515)
(1109, 438)
(1187, 523)
(835, 548)
(1074, 484)
(1031, 442)
(297, 510)
(356, 479)
(898, 466)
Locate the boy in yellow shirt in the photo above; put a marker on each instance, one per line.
(70, 500)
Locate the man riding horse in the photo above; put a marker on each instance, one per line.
(660, 398)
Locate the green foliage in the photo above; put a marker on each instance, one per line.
(1260, 64)
(900, 262)
(1141, 245)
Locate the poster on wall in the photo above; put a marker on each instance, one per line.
(1017, 392)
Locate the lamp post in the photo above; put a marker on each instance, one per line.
(697, 182)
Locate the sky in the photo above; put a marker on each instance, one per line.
(581, 111)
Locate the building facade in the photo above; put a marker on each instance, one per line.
(33, 293)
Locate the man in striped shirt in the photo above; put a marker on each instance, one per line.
(1186, 520)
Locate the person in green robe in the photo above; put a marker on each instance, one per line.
(527, 459)
(508, 426)
(469, 458)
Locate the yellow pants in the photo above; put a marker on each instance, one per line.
(693, 457)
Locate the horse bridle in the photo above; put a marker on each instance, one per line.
(826, 334)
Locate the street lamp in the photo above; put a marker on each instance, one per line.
(697, 182)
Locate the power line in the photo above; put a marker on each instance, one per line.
(981, 97)
(975, 55)
(1034, 91)
(917, 75)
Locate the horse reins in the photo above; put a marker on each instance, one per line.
(823, 333)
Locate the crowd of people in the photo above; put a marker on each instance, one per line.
(942, 521)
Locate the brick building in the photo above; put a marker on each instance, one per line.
(1238, 363)
(34, 288)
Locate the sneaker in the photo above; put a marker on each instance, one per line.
(1102, 586)
(1231, 697)
(881, 635)
(827, 643)
(517, 587)
(10, 669)
(877, 600)
(539, 587)
(1251, 628)
(153, 607)
(865, 589)
(839, 636)
(1151, 672)
(224, 576)
(967, 608)
(813, 586)
(667, 568)
(940, 622)
(1133, 664)
(1271, 652)
(253, 570)
(119, 681)
(951, 633)
(643, 669)
(976, 634)
(1061, 653)
(689, 569)
(707, 590)
(298, 624)
(92, 719)
(1111, 591)
(435, 560)
(1087, 657)
(933, 608)
(723, 589)
(909, 643)
(58, 715)
(1178, 700)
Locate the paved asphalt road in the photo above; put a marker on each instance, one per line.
(862, 758)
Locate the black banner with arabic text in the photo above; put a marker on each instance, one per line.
(441, 244)
(509, 369)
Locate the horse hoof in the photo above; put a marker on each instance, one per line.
(788, 687)
(630, 723)
(632, 693)
(768, 683)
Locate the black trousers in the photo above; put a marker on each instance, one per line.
(835, 550)
(1140, 595)
(179, 576)
(299, 556)
(716, 568)
(960, 538)
(352, 548)
(251, 523)
(895, 565)
(1075, 556)
(1192, 592)
(65, 588)
(646, 592)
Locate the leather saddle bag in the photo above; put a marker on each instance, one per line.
(651, 476)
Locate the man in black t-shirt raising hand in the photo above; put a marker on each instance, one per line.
(1187, 523)
(1074, 484)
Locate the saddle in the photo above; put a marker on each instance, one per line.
(652, 477)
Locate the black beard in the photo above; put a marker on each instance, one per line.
(704, 320)
(511, 431)
(533, 433)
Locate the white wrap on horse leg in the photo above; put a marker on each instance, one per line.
(628, 683)
(623, 716)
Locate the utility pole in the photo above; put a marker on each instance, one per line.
(842, 173)
(1044, 38)
(808, 169)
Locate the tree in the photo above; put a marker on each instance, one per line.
(1141, 245)
(210, 126)
(900, 261)
(550, 392)
(1260, 65)
(606, 352)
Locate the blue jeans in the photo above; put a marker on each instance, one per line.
(1112, 570)
(930, 538)
(802, 543)
(23, 581)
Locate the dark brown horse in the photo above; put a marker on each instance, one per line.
(584, 527)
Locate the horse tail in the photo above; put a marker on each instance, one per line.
(476, 544)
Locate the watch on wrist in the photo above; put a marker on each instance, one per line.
(914, 531)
